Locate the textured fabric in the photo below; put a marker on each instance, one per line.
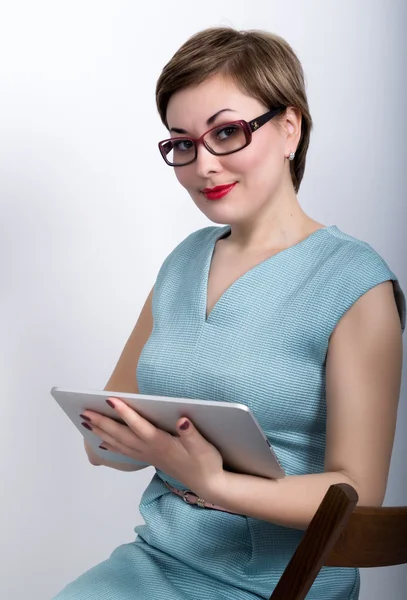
(264, 345)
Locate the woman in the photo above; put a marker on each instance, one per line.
(296, 319)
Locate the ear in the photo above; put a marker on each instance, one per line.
(291, 122)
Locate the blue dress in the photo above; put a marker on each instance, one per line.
(264, 344)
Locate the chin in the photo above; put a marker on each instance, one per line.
(221, 211)
(215, 216)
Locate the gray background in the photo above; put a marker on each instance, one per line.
(89, 212)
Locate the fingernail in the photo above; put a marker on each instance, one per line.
(110, 403)
(87, 426)
(102, 447)
(84, 417)
(184, 426)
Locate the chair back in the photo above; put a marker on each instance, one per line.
(344, 535)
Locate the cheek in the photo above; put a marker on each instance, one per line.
(263, 160)
(251, 162)
(184, 176)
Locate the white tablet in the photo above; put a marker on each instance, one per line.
(230, 427)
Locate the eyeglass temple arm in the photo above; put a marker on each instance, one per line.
(256, 123)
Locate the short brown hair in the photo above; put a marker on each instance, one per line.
(260, 63)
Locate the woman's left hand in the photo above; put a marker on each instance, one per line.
(189, 458)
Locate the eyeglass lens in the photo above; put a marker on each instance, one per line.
(223, 140)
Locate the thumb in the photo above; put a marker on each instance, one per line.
(190, 436)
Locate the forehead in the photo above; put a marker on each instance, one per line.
(190, 108)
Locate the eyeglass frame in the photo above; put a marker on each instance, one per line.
(249, 127)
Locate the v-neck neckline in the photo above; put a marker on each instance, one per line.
(220, 235)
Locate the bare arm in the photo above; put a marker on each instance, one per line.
(363, 378)
(123, 378)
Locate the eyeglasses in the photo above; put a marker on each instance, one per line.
(220, 140)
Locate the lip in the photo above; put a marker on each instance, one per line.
(218, 192)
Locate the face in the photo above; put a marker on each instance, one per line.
(260, 172)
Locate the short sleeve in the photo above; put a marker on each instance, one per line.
(359, 269)
(400, 303)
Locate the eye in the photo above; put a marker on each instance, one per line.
(227, 132)
(182, 145)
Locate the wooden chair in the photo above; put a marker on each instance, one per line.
(342, 534)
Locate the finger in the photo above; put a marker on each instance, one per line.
(114, 444)
(145, 430)
(191, 439)
(109, 427)
(126, 451)
(121, 449)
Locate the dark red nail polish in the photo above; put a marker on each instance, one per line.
(85, 418)
(184, 426)
(87, 426)
(110, 403)
(102, 447)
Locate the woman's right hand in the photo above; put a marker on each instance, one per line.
(98, 461)
(123, 378)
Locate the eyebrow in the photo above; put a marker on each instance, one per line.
(209, 122)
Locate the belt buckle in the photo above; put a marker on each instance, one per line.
(199, 501)
(185, 496)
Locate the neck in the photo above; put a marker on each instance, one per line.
(280, 226)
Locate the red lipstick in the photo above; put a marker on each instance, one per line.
(218, 192)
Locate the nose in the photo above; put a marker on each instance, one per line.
(206, 163)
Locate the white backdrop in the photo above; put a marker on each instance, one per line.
(89, 212)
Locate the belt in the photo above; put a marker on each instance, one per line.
(191, 498)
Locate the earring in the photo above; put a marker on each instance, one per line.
(291, 156)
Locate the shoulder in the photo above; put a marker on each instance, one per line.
(374, 313)
(356, 268)
(184, 256)
(198, 238)
(192, 244)
(352, 253)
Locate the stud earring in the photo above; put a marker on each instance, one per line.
(291, 156)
